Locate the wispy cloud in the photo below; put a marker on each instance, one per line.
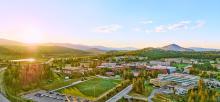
(108, 28)
(146, 22)
(199, 24)
(181, 25)
(147, 31)
(137, 29)
(160, 28)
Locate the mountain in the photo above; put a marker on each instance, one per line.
(67, 45)
(86, 47)
(96, 51)
(73, 46)
(175, 47)
(203, 49)
(9, 42)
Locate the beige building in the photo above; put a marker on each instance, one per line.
(68, 69)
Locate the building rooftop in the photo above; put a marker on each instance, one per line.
(179, 78)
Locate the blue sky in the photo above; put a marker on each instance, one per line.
(115, 23)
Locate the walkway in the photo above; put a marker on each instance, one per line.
(152, 95)
(74, 83)
(119, 95)
(2, 97)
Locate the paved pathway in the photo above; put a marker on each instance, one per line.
(50, 60)
(74, 83)
(1, 69)
(119, 95)
(137, 98)
(3, 99)
(152, 95)
(104, 77)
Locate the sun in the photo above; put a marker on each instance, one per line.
(32, 36)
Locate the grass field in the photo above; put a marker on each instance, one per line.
(180, 65)
(58, 83)
(218, 90)
(91, 88)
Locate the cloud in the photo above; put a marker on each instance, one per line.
(137, 29)
(179, 26)
(108, 28)
(146, 22)
(147, 31)
(199, 24)
(161, 28)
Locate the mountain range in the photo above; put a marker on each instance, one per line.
(86, 47)
(102, 49)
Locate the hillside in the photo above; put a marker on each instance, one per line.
(39, 51)
(204, 49)
(96, 51)
(156, 53)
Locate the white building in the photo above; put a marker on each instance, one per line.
(160, 63)
(107, 65)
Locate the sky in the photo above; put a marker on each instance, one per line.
(112, 23)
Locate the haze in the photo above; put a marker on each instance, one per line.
(113, 23)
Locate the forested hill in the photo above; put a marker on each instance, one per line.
(154, 53)
(39, 51)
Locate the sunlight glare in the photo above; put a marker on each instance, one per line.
(32, 36)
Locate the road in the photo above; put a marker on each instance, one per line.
(49, 61)
(119, 95)
(152, 95)
(2, 98)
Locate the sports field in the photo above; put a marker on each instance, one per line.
(91, 88)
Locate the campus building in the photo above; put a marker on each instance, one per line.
(107, 65)
(183, 79)
(182, 83)
(162, 69)
(160, 63)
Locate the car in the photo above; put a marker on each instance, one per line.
(57, 94)
(38, 94)
(50, 96)
(51, 92)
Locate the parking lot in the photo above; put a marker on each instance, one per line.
(47, 96)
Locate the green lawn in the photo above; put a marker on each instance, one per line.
(168, 98)
(58, 83)
(218, 90)
(180, 65)
(148, 90)
(91, 88)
